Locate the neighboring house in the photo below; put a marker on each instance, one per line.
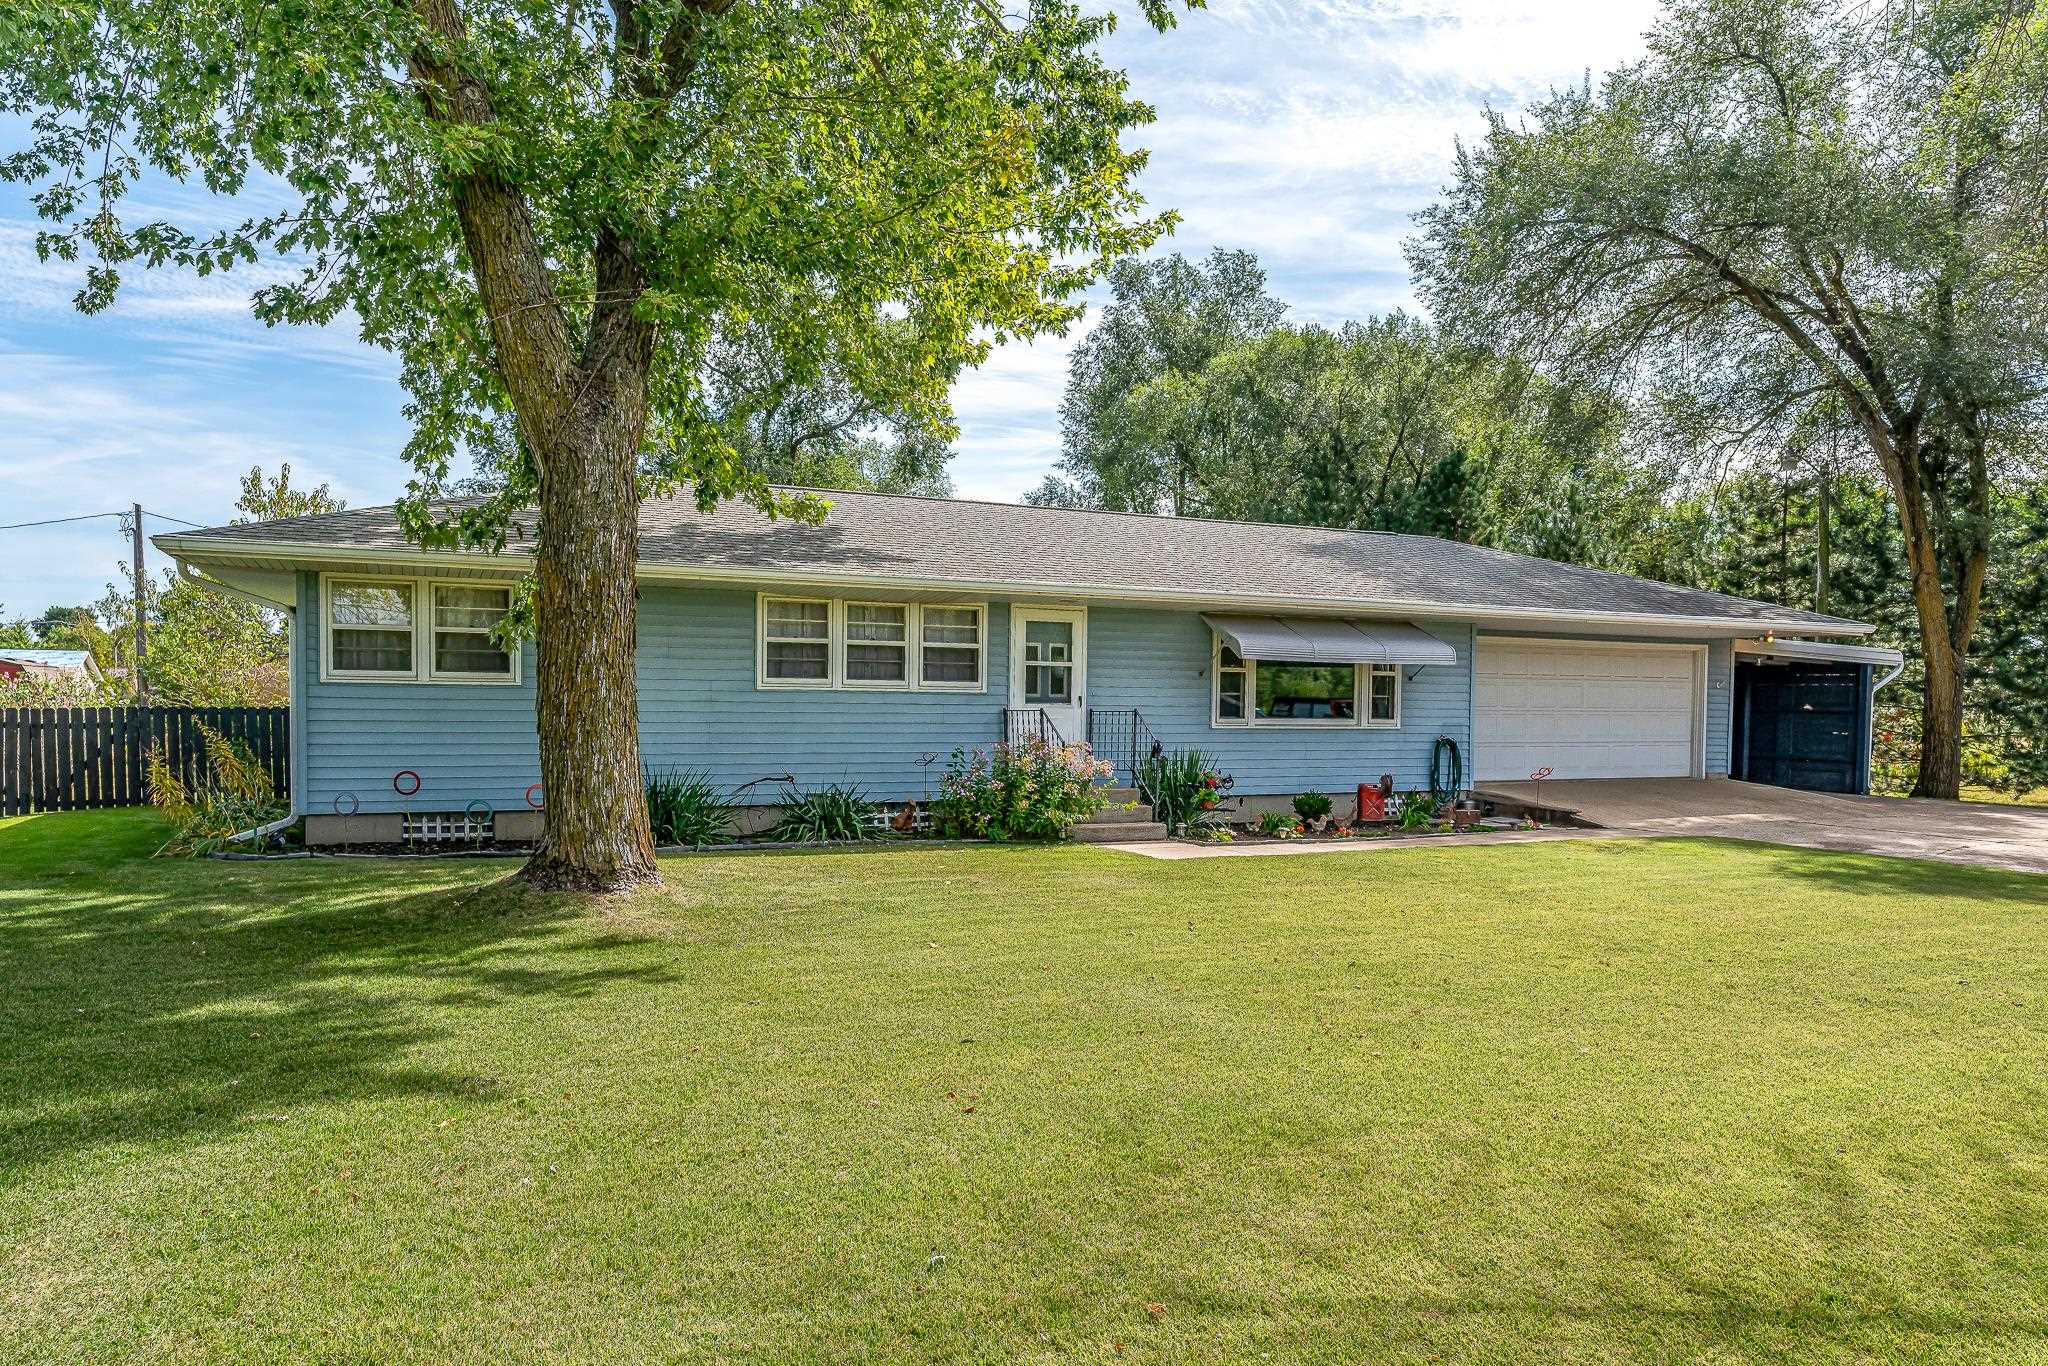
(67, 664)
(867, 648)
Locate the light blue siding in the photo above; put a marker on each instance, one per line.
(700, 708)
(1720, 683)
(1158, 662)
(466, 741)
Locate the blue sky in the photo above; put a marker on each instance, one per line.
(1307, 131)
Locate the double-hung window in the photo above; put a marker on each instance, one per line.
(464, 617)
(796, 642)
(877, 645)
(950, 647)
(417, 630)
(370, 628)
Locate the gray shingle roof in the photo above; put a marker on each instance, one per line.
(881, 537)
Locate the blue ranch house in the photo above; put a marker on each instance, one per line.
(863, 649)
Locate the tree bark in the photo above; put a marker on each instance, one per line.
(596, 835)
(583, 420)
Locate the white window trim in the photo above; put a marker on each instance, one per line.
(835, 679)
(1360, 687)
(422, 670)
(832, 644)
(435, 675)
(847, 642)
(980, 683)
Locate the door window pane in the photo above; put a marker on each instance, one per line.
(1048, 663)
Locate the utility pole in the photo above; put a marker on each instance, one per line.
(141, 607)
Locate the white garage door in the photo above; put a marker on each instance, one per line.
(1603, 711)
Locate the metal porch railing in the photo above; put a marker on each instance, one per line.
(1121, 736)
(1024, 724)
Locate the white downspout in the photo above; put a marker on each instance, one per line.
(1870, 727)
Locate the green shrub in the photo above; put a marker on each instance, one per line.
(1312, 806)
(1275, 823)
(1183, 788)
(839, 811)
(1032, 790)
(1418, 809)
(685, 808)
(236, 795)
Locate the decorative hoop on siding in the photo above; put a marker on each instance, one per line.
(398, 782)
(537, 796)
(355, 803)
(479, 812)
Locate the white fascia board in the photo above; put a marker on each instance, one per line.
(199, 548)
(1821, 650)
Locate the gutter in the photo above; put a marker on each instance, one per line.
(198, 580)
(300, 555)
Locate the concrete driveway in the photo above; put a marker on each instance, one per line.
(2012, 837)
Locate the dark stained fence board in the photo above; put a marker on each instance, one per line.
(79, 758)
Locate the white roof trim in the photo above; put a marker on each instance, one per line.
(1330, 640)
(296, 554)
(1820, 650)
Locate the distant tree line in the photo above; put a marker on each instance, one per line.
(1194, 396)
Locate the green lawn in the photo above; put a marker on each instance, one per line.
(1585, 1101)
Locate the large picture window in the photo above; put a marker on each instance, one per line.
(1286, 692)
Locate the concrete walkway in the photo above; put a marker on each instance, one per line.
(2014, 838)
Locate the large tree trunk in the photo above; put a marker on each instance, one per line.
(1941, 725)
(596, 836)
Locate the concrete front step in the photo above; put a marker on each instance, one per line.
(1121, 815)
(1118, 832)
(1119, 795)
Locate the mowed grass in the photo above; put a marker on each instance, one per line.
(1588, 1101)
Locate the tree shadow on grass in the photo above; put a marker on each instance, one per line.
(1891, 874)
(149, 1000)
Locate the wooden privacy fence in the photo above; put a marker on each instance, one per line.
(71, 758)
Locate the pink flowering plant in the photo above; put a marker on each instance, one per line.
(1033, 790)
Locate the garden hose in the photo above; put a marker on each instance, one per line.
(1444, 760)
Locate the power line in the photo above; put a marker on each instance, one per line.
(53, 521)
(89, 516)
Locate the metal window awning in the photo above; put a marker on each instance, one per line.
(1331, 640)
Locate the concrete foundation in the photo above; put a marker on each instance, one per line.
(359, 829)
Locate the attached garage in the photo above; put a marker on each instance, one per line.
(1584, 709)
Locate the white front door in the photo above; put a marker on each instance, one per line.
(1049, 666)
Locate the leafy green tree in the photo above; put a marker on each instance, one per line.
(15, 633)
(267, 499)
(1126, 430)
(1776, 218)
(552, 212)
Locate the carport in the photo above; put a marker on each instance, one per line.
(1802, 712)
